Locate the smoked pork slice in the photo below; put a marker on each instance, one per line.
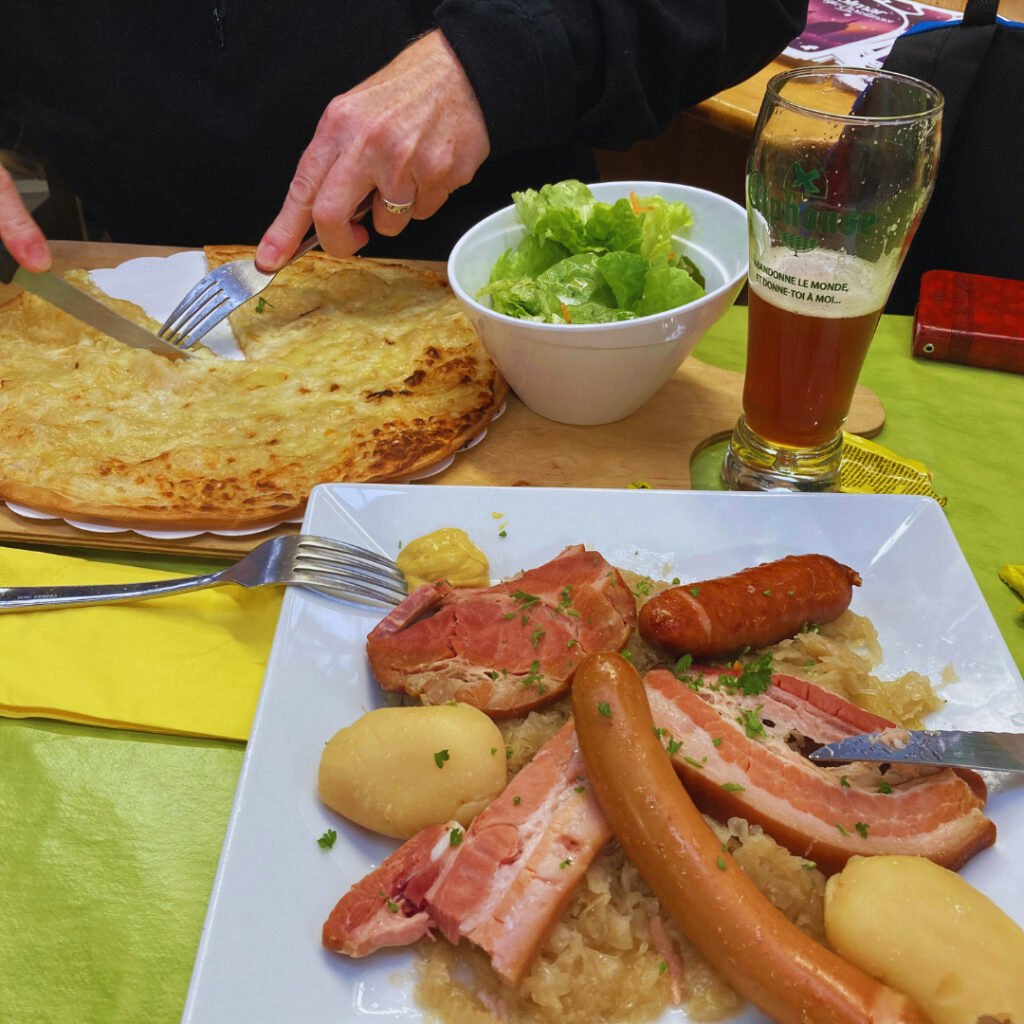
(521, 859)
(824, 813)
(386, 907)
(505, 649)
(502, 885)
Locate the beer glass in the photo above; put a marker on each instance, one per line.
(840, 170)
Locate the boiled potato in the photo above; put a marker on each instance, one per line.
(447, 554)
(924, 931)
(398, 770)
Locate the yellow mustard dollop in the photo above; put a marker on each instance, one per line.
(446, 554)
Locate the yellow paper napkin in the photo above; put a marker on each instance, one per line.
(190, 664)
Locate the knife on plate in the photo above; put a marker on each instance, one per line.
(987, 751)
(82, 306)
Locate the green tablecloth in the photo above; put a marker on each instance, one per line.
(109, 840)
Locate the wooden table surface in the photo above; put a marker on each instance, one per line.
(655, 446)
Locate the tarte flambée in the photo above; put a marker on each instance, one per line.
(354, 370)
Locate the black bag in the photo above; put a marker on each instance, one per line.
(975, 220)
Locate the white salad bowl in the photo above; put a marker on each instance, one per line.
(599, 373)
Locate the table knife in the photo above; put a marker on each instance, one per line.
(991, 751)
(82, 306)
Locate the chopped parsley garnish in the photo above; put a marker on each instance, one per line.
(536, 637)
(494, 750)
(733, 787)
(694, 591)
(673, 746)
(662, 967)
(883, 786)
(626, 654)
(508, 753)
(565, 863)
(717, 741)
(503, 533)
(756, 677)
(862, 829)
(604, 708)
(535, 676)
(842, 831)
(326, 841)
(526, 600)
(455, 837)
(694, 762)
(440, 757)
(262, 304)
(509, 615)
(810, 627)
(388, 901)
(721, 863)
(579, 789)
(682, 666)
(517, 800)
(844, 780)
(643, 588)
(750, 719)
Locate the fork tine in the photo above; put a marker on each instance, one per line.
(201, 288)
(385, 586)
(347, 585)
(334, 564)
(322, 547)
(203, 320)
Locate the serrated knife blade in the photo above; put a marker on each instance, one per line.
(986, 751)
(84, 307)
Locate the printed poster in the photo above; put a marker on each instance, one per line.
(858, 33)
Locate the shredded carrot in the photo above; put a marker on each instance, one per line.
(635, 203)
(565, 313)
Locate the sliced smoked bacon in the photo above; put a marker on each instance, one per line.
(505, 649)
(502, 885)
(740, 755)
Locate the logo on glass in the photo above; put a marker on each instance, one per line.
(801, 216)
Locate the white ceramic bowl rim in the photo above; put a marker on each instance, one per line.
(653, 188)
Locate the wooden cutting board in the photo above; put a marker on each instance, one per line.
(655, 445)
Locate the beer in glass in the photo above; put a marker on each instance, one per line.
(840, 170)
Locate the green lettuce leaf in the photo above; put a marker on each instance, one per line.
(585, 261)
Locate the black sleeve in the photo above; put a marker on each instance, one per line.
(607, 72)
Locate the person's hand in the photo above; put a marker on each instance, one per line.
(18, 231)
(413, 131)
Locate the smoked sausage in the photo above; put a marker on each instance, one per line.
(760, 952)
(750, 609)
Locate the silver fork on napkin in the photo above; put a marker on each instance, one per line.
(329, 566)
(224, 289)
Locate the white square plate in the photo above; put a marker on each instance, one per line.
(260, 958)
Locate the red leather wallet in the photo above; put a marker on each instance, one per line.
(970, 318)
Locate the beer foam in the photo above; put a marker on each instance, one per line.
(821, 282)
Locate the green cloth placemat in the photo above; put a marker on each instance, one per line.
(109, 840)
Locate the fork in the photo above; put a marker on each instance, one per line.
(328, 566)
(222, 290)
